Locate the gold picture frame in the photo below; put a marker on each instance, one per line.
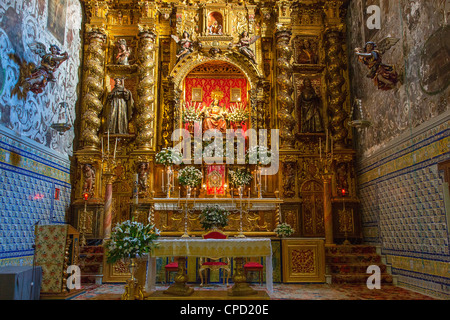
(235, 95)
(197, 94)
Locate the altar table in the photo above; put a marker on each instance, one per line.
(197, 247)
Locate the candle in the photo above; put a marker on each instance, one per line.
(326, 141)
(320, 147)
(136, 195)
(265, 180)
(115, 148)
(108, 142)
(102, 147)
(162, 178)
(331, 146)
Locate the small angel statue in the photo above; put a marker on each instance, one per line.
(244, 45)
(384, 76)
(123, 52)
(186, 45)
(50, 62)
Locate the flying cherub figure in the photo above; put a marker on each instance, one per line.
(50, 62)
(384, 76)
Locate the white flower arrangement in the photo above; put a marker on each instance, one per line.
(192, 112)
(260, 155)
(168, 156)
(130, 239)
(214, 217)
(284, 230)
(240, 177)
(190, 176)
(237, 113)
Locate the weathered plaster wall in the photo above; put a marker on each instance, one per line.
(401, 189)
(34, 158)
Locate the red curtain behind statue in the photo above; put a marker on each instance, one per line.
(208, 85)
(225, 85)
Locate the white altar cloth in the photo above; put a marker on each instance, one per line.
(198, 247)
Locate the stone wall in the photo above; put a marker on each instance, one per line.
(401, 189)
(34, 158)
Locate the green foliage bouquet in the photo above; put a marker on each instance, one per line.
(240, 177)
(214, 217)
(168, 156)
(130, 239)
(284, 230)
(190, 176)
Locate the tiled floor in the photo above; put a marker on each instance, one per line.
(281, 292)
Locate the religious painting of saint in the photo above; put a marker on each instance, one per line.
(306, 51)
(215, 23)
(56, 22)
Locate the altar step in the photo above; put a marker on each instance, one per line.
(91, 264)
(348, 264)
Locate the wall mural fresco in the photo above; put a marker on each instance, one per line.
(27, 28)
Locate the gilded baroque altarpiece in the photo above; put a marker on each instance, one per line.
(284, 62)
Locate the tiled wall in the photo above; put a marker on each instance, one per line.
(29, 176)
(404, 208)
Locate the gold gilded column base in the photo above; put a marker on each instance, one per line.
(240, 287)
(133, 291)
(179, 288)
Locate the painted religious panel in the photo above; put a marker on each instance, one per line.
(306, 50)
(56, 22)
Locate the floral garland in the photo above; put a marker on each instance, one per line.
(190, 176)
(213, 217)
(284, 230)
(240, 177)
(261, 154)
(168, 156)
(130, 239)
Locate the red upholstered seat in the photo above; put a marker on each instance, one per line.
(212, 263)
(251, 266)
(215, 235)
(170, 267)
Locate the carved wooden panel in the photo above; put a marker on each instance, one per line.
(312, 209)
(303, 261)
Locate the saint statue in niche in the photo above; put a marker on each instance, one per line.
(123, 52)
(215, 114)
(384, 76)
(186, 45)
(119, 108)
(309, 106)
(215, 23)
(307, 54)
(50, 62)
